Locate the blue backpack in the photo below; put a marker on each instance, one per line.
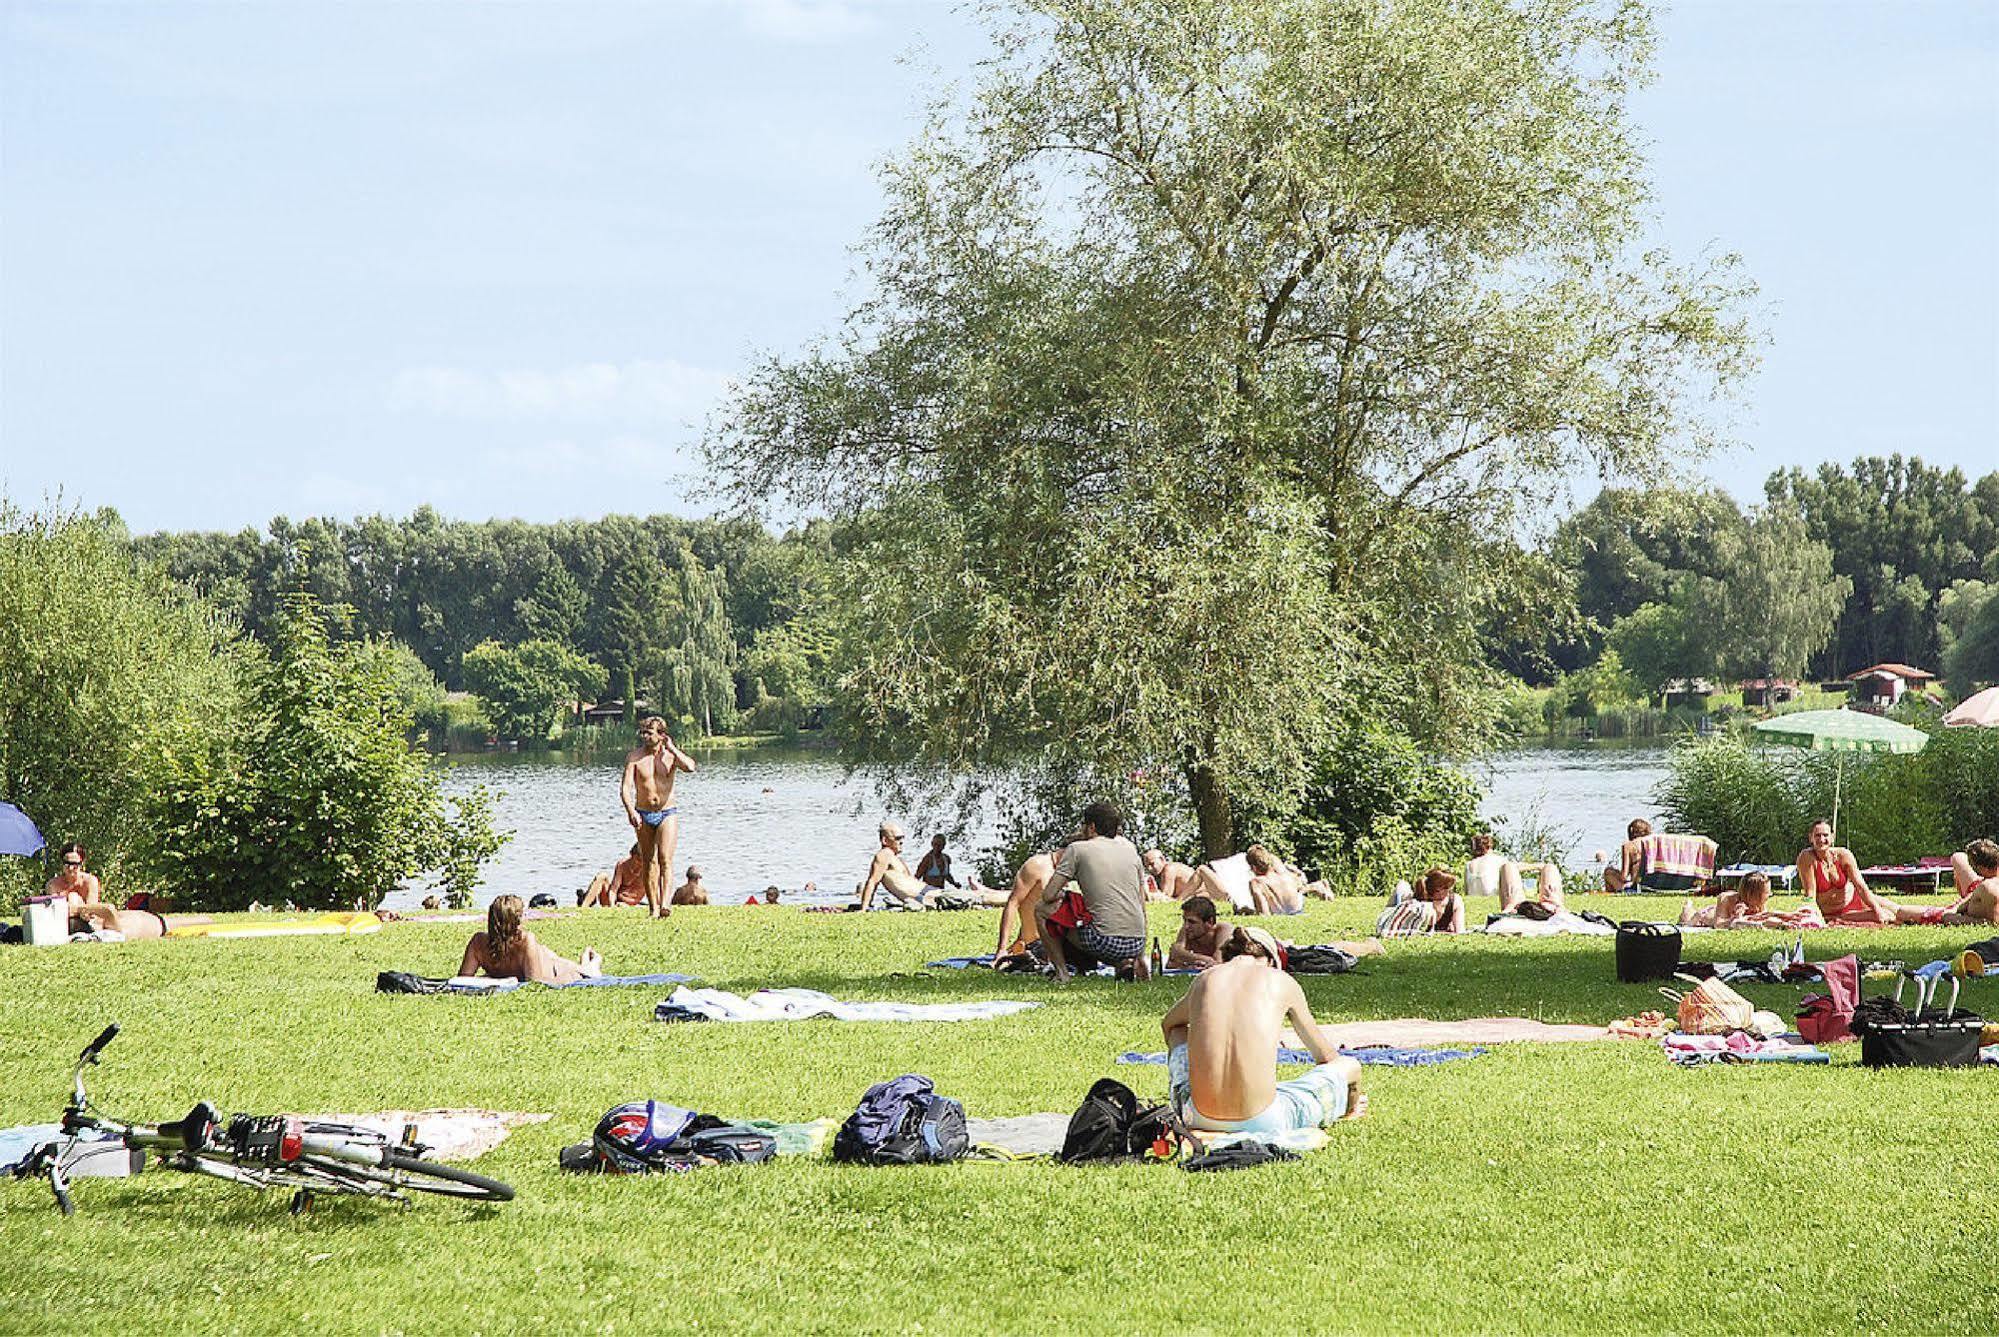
(650, 1136)
(903, 1122)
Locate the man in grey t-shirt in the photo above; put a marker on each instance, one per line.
(1094, 903)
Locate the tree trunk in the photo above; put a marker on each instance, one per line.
(1212, 808)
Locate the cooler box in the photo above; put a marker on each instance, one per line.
(45, 920)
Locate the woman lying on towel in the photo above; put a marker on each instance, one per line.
(1748, 906)
(506, 951)
(1432, 906)
(89, 912)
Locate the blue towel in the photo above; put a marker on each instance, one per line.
(1382, 1054)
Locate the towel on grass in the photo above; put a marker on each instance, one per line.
(1737, 1047)
(451, 1135)
(484, 984)
(1387, 1055)
(801, 1004)
(967, 962)
(1421, 1031)
(1516, 926)
(1022, 1135)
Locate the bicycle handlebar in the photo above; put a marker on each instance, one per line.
(96, 1047)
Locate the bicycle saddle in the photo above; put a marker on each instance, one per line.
(195, 1130)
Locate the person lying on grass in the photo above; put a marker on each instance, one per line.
(506, 951)
(1975, 873)
(1202, 935)
(1174, 880)
(1830, 875)
(1748, 906)
(89, 912)
(1221, 1048)
(1277, 887)
(1431, 906)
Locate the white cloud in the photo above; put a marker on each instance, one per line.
(638, 392)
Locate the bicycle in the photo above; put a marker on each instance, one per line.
(261, 1151)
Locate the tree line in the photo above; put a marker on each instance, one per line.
(1884, 560)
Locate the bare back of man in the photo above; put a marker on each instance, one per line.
(647, 793)
(1228, 1025)
(1176, 880)
(1018, 912)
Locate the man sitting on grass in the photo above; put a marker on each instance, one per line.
(1975, 871)
(1221, 1048)
(1093, 906)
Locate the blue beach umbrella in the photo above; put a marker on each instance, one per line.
(17, 834)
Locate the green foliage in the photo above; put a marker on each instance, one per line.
(1654, 645)
(1774, 602)
(696, 686)
(1197, 332)
(1759, 801)
(527, 689)
(1592, 691)
(1902, 532)
(316, 797)
(418, 691)
(106, 672)
(1972, 659)
(1376, 808)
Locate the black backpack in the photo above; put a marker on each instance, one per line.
(1110, 1125)
(903, 1122)
(401, 981)
(1322, 959)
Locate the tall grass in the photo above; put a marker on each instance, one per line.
(1758, 802)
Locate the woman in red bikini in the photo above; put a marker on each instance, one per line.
(1830, 875)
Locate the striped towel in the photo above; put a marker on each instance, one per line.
(1676, 856)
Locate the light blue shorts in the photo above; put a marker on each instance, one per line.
(1318, 1097)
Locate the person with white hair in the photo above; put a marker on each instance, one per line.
(890, 873)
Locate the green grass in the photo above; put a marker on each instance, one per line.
(1578, 1187)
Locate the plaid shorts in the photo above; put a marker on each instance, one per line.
(1106, 947)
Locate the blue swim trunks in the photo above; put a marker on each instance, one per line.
(656, 816)
(1318, 1097)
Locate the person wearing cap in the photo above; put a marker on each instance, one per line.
(1221, 1048)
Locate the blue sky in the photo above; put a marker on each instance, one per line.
(501, 258)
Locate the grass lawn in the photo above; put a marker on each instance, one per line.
(1576, 1187)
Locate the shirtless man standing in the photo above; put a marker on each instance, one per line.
(887, 871)
(647, 792)
(1175, 879)
(1221, 1048)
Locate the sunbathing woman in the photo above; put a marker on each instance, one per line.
(1748, 906)
(1432, 906)
(1830, 875)
(89, 912)
(506, 951)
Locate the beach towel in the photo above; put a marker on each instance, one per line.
(1675, 862)
(1562, 922)
(1477, 1031)
(1019, 1137)
(1737, 1047)
(1384, 1055)
(396, 981)
(808, 1004)
(1232, 874)
(338, 922)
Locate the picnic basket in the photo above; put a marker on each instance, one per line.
(1930, 1038)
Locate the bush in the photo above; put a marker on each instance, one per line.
(320, 799)
(1376, 808)
(106, 668)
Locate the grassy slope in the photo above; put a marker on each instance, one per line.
(1568, 1186)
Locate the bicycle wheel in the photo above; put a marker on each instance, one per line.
(419, 1175)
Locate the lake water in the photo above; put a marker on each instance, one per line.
(766, 816)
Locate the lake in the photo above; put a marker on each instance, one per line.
(764, 816)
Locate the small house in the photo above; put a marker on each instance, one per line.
(1882, 685)
(1767, 692)
(612, 711)
(1687, 692)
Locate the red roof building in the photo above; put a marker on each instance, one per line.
(1884, 684)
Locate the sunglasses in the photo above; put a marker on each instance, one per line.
(72, 863)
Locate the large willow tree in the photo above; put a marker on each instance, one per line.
(1214, 348)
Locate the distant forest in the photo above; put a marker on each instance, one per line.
(721, 623)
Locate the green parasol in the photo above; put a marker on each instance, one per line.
(1841, 731)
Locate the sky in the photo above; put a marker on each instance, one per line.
(503, 259)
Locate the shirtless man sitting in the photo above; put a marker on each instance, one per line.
(1975, 872)
(888, 872)
(693, 891)
(1199, 945)
(647, 793)
(1174, 880)
(626, 884)
(506, 951)
(1490, 873)
(1221, 1048)
(1277, 887)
